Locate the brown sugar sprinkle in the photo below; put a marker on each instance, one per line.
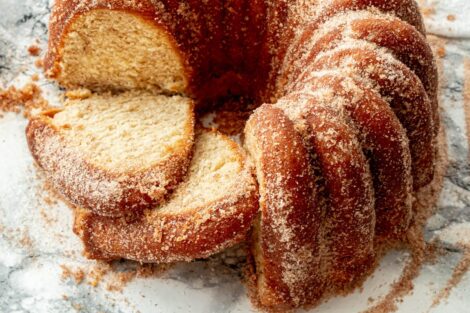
(26, 240)
(19, 236)
(34, 50)
(92, 277)
(95, 276)
(438, 46)
(451, 17)
(441, 52)
(120, 281)
(78, 275)
(404, 285)
(29, 97)
(46, 218)
(35, 77)
(50, 200)
(115, 280)
(459, 271)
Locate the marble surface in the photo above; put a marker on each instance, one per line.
(40, 258)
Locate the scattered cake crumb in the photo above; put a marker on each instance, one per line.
(39, 63)
(120, 280)
(78, 94)
(112, 278)
(78, 275)
(441, 52)
(26, 240)
(28, 98)
(428, 11)
(451, 17)
(34, 50)
(95, 276)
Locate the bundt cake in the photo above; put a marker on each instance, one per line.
(343, 139)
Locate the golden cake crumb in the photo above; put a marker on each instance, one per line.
(28, 98)
(78, 94)
(39, 63)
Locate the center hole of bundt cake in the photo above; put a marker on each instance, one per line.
(229, 114)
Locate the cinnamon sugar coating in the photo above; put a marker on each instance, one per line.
(383, 140)
(286, 243)
(114, 172)
(403, 91)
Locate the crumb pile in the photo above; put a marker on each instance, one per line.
(28, 99)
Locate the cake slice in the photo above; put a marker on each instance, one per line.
(115, 45)
(115, 154)
(211, 210)
(286, 241)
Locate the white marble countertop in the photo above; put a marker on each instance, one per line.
(37, 246)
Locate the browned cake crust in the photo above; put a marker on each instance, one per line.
(345, 183)
(170, 236)
(403, 91)
(406, 10)
(350, 216)
(287, 239)
(406, 43)
(384, 140)
(167, 238)
(89, 186)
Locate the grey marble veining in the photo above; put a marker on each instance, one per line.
(21, 23)
(36, 240)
